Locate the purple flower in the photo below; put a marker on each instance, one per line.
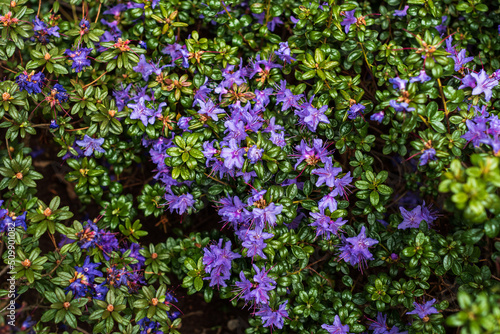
(217, 261)
(401, 12)
(355, 110)
(411, 219)
(144, 68)
(423, 310)
(143, 113)
(429, 154)
(180, 203)
(60, 93)
(460, 59)
(89, 145)
(442, 27)
(79, 284)
(378, 117)
(253, 240)
(267, 215)
(32, 83)
(329, 202)
(262, 99)
(278, 138)
(355, 250)
(235, 129)
(89, 269)
(177, 51)
(233, 155)
(79, 57)
(286, 96)
(234, 211)
(348, 20)
(339, 185)
(84, 25)
(273, 318)
(476, 132)
(255, 67)
(53, 124)
(284, 52)
(183, 123)
(468, 81)
(403, 106)
(337, 327)
(325, 225)
(262, 285)
(311, 116)
(422, 77)
(398, 83)
(122, 96)
(254, 154)
(326, 174)
(380, 326)
(210, 109)
(42, 32)
(483, 84)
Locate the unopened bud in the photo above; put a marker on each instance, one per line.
(6, 96)
(110, 308)
(154, 255)
(47, 212)
(67, 305)
(26, 263)
(154, 301)
(13, 4)
(47, 56)
(19, 176)
(112, 113)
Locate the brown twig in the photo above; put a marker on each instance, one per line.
(98, 12)
(95, 80)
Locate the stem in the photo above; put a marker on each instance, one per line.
(8, 148)
(444, 104)
(225, 8)
(98, 12)
(95, 80)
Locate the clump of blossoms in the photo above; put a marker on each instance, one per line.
(328, 167)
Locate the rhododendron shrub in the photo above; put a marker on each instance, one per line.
(328, 167)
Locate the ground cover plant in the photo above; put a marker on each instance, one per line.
(326, 167)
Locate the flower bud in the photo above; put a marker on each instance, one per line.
(47, 212)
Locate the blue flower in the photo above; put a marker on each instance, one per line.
(355, 110)
(284, 52)
(89, 145)
(180, 203)
(144, 68)
(401, 12)
(336, 327)
(483, 84)
(79, 57)
(421, 77)
(424, 310)
(429, 154)
(348, 20)
(32, 83)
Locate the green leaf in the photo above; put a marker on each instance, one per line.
(472, 236)
(198, 283)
